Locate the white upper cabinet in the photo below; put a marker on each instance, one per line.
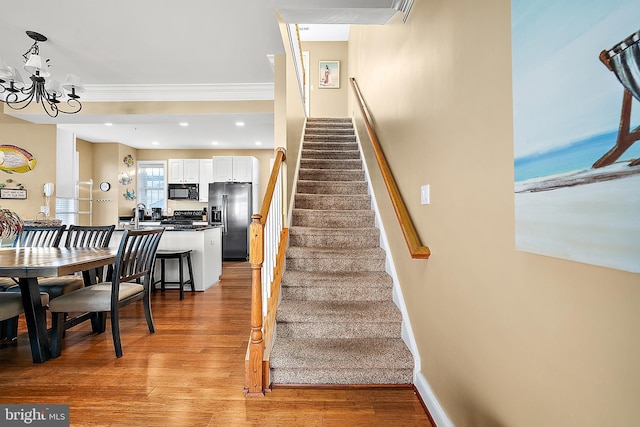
(183, 171)
(235, 169)
(243, 169)
(206, 177)
(222, 168)
(191, 171)
(175, 168)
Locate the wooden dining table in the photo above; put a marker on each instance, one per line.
(28, 264)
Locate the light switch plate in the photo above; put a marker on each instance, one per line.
(425, 197)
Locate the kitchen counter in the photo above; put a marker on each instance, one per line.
(170, 227)
(204, 241)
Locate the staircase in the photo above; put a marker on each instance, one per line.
(336, 323)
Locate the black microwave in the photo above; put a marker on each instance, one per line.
(183, 192)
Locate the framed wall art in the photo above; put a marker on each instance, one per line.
(576, 74)
(329, 75)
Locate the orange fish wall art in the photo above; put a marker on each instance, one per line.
(15, 159)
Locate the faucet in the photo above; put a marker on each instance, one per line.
(136, 214)
(38, 214)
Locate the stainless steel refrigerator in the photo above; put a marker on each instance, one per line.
(233, 199)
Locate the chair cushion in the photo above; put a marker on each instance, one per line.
(93, 298)
(11, 304)
(6, 283)
(55, 286)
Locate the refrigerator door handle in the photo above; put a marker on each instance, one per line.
(225, 220)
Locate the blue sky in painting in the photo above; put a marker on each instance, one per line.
(562, 92)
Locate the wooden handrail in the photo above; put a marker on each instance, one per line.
(416, 248)
(281, 156)
(256, 370)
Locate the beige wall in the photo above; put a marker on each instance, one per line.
(295, 114)
(327, 102)
(506, 338)
(40, 141)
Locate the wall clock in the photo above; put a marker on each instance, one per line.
(105, 186)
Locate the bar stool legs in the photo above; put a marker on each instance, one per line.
(163, 255)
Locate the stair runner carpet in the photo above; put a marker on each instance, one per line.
(336, 322)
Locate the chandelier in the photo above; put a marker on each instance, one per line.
(43, 90)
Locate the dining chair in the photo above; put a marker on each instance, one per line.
(10, 308)
(34, 236)
(130, 282)
(39, 236)
(30, 236)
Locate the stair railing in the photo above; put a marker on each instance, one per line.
(416, 248)
(267, 245)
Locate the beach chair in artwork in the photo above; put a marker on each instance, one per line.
(624, 61)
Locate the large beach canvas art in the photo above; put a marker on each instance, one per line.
(576, 96)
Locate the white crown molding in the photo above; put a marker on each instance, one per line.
(182, 92)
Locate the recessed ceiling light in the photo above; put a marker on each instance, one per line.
(184, 124)
(239, 123)
(214, 142)
(258, 143)
(108, 124)
(155, 143)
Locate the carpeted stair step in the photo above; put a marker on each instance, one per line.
(330, 130)
(319, 145)
(332, 187)
(332, 201)
(351, 238)
(329, 121)
(331, 164)
(331, 175)
(335, 259)
(338, 319)
(330, 138)
(330, 154)
(333, 218)
(341, 361)
(323, 286)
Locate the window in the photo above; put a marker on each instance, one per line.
(151, 184)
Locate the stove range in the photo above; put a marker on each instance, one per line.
(183, 218)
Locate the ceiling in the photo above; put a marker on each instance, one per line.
(195, 50)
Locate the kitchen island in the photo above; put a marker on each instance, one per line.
(206, 256)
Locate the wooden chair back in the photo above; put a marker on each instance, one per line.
(135, 258)
(39, 236)
(83, 236)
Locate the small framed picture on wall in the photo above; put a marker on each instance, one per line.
(329, 75)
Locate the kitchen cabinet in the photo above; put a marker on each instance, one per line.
(206, 177)
(235, 169)
(183, 171)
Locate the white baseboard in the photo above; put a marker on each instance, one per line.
(431, 402)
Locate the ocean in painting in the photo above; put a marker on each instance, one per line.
(579, 155)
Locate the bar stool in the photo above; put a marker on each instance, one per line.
(180, 255)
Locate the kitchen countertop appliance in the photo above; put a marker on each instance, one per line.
(233, 201)
(156, 214)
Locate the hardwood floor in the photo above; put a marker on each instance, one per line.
(189, 373)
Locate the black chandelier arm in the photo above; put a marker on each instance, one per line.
(50, 104)
(74, 105)
(16, 103)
